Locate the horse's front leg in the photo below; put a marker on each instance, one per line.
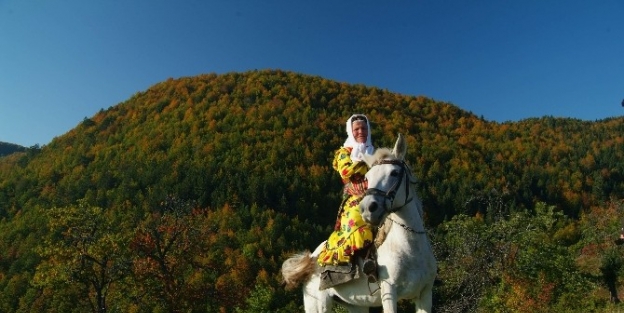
(388, 297)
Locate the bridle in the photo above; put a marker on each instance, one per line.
(391, 193)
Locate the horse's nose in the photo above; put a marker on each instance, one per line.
(373, 207)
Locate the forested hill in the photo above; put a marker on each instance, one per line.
(260, 143)
(267, 137)
(8, 148)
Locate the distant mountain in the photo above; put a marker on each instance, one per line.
(255, 150)
(8, 148)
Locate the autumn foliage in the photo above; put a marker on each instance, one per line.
(188, 196)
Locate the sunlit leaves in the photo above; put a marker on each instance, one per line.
(514, 263)
(85, 250)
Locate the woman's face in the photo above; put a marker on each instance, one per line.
(360, 131)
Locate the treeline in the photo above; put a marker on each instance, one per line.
(8, 148)
(200, 187)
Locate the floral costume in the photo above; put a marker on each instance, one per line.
(351, 233)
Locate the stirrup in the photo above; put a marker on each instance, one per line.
(369, 267)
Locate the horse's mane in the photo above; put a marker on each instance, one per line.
(378, 155)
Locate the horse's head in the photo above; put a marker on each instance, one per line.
(388, 180)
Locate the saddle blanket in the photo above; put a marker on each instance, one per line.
(333, 275)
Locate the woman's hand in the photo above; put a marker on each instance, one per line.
(358, 152)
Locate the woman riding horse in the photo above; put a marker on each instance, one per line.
(406, 264)
(351, 234)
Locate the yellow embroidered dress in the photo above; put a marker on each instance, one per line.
(351, 233)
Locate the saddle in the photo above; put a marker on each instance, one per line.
(333, 275)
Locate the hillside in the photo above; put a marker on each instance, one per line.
(9, 148)
(244, 156)
(191, 136)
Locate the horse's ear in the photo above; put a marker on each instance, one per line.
(400, 148)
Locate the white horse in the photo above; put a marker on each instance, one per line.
(406, 264)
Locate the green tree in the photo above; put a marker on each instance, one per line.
(85, 251)
(519, 263)
(540, 272)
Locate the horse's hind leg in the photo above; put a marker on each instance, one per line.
(316, 301)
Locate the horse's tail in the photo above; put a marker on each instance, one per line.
(298, 269)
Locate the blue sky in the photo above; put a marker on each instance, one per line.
(62, 61)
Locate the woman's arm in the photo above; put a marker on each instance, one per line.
(346, 167)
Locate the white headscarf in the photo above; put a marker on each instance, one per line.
(358, 148)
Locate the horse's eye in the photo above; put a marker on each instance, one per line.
(394, 173)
